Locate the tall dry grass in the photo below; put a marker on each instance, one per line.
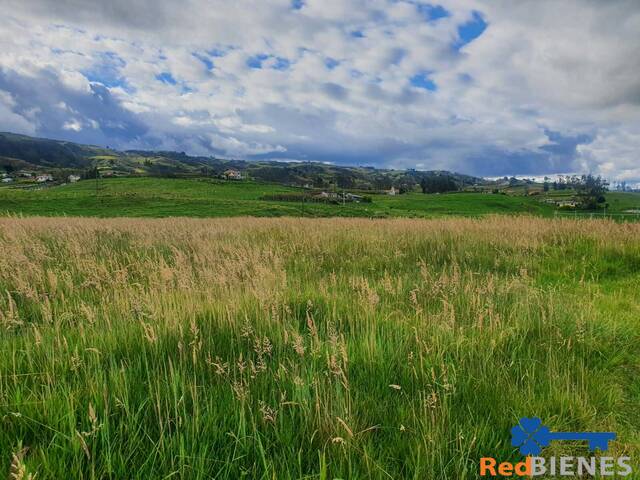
(297, 348)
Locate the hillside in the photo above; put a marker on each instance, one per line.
(60, 158)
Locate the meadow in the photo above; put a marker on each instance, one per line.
(171, 197)
(310, 348)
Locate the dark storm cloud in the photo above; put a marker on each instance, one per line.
(92, 116)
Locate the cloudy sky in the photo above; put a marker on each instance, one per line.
(487, 87)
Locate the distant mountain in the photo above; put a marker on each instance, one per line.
(21, 152)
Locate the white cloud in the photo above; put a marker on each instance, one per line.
(335, 80)
(74, 125)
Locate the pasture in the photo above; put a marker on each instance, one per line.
(158, 197)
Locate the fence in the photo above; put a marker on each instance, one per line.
(632, 217)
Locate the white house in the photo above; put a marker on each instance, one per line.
(45, 177)
(73, 178)
(7, 180)
(232, 174)
(392, 191)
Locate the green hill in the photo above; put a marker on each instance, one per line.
(61, 158)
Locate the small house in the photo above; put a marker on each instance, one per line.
(45, 177)
(566, 204)
(73, 178)
(353, 198)
(7, 180)
(232, 174)
(392, 191)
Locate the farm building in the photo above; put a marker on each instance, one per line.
(45, 177)
(232, 174)
(73, 178)
(567, 203)
(352, 197)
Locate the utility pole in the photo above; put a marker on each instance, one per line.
(97, 185)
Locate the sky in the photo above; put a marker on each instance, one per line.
(484, 87)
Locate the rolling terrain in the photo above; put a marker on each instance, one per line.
(62, 158)
(206, 197)
(157, 197)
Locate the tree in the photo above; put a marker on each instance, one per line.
(382, 182)
(438, 184)
(344, 180)
(319, 182)
(590, 190)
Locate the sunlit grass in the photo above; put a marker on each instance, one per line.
(162, 197)
(299, 348)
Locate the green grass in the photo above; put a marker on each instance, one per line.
(154, 197)
(311, 348)
(619, 202)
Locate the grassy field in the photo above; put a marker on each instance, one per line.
(310, 348)
(155, 197)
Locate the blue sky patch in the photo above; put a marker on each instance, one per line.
(422, 80)
(167, 78)
(331, 63)
(218, 52)
(204, 59)
(256, 60)
(468, 32)
(280, 63)
(107, 71)
(357, 34)
(433, 12)
(297, 4)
